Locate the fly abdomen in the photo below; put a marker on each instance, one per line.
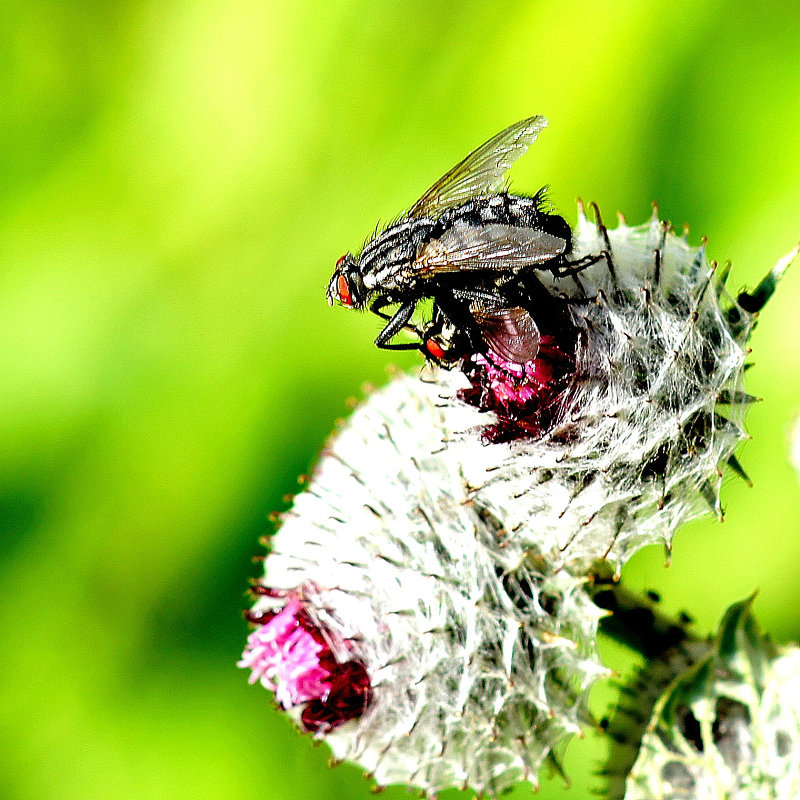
(504, 209)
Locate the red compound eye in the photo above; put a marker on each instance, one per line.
(435, 349)
(344, 291)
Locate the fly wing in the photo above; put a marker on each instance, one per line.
(482, 172)
(487, 247)
(510, 332)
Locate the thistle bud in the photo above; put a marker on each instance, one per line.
(306, 666)
(474, 656)
(727, 728)
(621, 428)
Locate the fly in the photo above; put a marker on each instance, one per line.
(468, 244)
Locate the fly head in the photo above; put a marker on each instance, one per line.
(346, 285)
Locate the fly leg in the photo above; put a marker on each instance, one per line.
(438, 345)
(454, 307)
(567, 268)
(396, 323)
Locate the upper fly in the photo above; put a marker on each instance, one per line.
(468, 245)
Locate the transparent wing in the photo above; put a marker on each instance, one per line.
(510, 332)
(494, 247)
(482, 172)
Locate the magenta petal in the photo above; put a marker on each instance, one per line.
(285, 657)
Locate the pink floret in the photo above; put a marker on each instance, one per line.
(285, 657)
(514, 384)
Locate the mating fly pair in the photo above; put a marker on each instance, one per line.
(470, 247)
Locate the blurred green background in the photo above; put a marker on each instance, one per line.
(177, 182)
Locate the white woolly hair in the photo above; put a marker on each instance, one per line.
(652, 415)
(480, 656)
